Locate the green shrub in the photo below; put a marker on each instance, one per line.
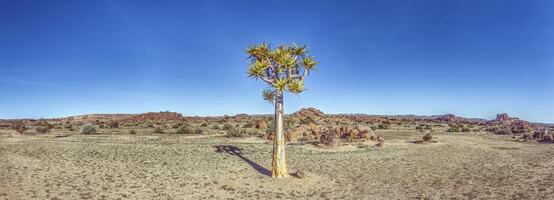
(383, 126)
(132, 132)
(87, 128)
(236, 132)
(428, 127)
(184, 130)
(249, 125)
(198, 131)
(228, 126)
(158, 130)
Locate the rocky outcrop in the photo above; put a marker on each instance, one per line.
(515, 125)
(154, 117)
(309, 115)
(449, 118)
(308, 112)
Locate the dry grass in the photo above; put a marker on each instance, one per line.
(169, 166)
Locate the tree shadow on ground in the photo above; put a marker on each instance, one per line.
(233, 150)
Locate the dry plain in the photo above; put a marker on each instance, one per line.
(117, 165)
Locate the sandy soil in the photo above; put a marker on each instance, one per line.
(120, 166)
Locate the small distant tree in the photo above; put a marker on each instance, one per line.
(283, 69)
(42, 126)
(19, 126)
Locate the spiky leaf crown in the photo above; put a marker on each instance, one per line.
(282, 68)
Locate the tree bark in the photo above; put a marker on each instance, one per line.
(278, 163)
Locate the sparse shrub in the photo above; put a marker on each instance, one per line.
(427, 137)
(291, 122)
(465, 129)
(248, 125)
(43, 127)
(215, 126)
(476, 130)
(236, 132)
(100, 125)
(184, 129)
(228, 126)
(270, 125)
(383, 126)
(68, 126)
(381, 143)
(87, 128)
(454, 128)
(204, 125)
(132, 132)
(526, 136)
(330, 138)
(373, 128)
(158, 130)
(19, 126)
(198, 131)
(502, 130)
(428, 127)
(113, 124)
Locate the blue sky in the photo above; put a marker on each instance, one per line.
(470, 58)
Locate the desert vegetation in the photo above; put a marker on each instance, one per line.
(321, 146)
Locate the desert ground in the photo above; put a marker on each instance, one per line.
(114, 164)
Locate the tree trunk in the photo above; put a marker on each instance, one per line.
(279, 164)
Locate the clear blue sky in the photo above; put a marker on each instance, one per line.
(470, 58)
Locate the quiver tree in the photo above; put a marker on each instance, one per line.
(283, 69)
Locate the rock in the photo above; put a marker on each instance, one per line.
(308, 112)
(299, 174)
(502, 117)
(427, 137)
(329, 138)
(261, 125)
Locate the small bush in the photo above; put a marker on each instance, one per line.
(43, 127)
(381, 143)
(87, 128)
(215, 126)
(501, 130)
(198, 131)
(249, 125)
(132, 132)
(455, 128)
(113, 124)
(330, 138)
(158, 130)
(184, 130)
(19, 126)
(383, 126)
(236, 132)
(228, 126)
(427, 137)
